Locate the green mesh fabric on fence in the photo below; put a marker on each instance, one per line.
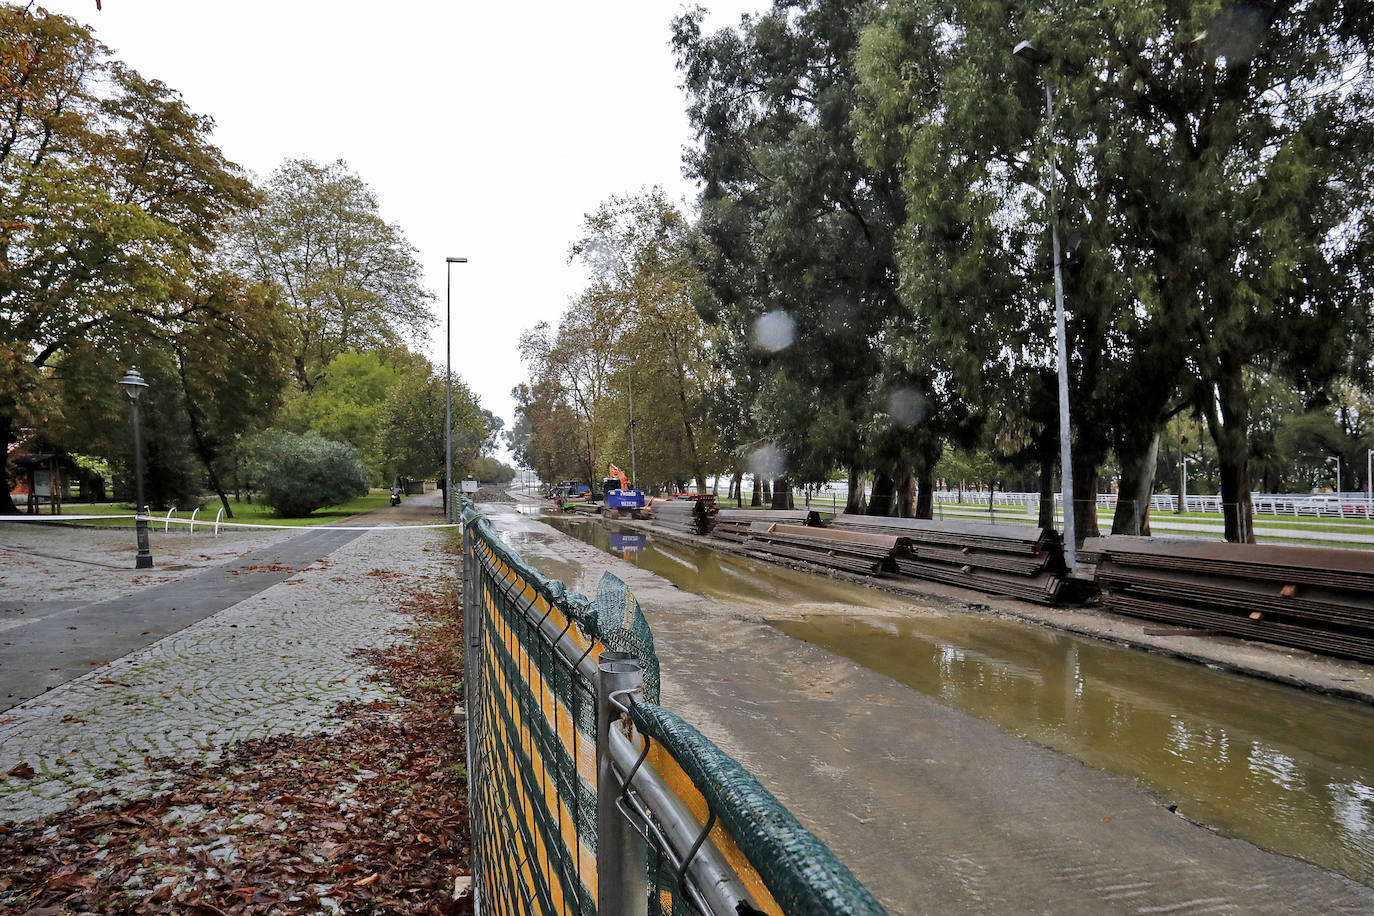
(532, 746)
(615, 619)
(533, 717)
(799, 870)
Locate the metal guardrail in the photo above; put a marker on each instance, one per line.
(574, 807)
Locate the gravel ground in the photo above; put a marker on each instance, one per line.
(279, 662)
(493, 495)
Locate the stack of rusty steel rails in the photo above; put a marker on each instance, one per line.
(1022, 561)
(682, 516)
(859, 552)
(1315, 598)
(733, 524)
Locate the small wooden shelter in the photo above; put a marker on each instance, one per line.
(45, 477)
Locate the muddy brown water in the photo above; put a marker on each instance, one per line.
(1284, 769)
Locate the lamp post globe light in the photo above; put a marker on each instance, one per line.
(133, 385)
(449, 513)
(1028, 52)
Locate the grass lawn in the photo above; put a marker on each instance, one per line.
(251, 513)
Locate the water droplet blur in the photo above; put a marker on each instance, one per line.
(907, 407)
(1235, 34)
(768, 462)
(774, 331)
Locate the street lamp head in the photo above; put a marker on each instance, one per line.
(133, 384)
(456, 260)
(1029, 52)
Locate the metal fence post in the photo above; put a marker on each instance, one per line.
(622, 882)
(472, 722)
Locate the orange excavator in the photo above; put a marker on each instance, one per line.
(621, 498)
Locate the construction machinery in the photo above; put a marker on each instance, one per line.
(622, 500)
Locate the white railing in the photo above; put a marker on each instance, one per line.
(1319, 505)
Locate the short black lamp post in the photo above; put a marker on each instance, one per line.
(133, 386)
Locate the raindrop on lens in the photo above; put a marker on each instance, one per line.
(768, 463)
(774, 331)
(907, 407)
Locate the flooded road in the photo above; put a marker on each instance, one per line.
(1286, 770)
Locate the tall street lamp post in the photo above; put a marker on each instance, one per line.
(449, 513)
(133, 385)
(1026, 51)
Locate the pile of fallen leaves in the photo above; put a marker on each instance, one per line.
(372, 819)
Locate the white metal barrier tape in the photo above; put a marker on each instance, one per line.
(211, 523)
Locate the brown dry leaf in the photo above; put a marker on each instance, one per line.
(66, 882)
(21, 771)
(298, 838)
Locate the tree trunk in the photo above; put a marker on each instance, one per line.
(907, 495)
(1233, 452)
(756, 498)
(737, 488)
(7, 506)
(883, 490)
(1132, 514)
(1085, 503)
(925, 494)
(1046, 517)
(856, 503)
(782, 493)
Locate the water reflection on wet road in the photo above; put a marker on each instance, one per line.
(1287, 770)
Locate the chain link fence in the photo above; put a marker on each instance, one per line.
(587, 797)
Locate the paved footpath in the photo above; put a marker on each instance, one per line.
(277, 661)
(45, 642)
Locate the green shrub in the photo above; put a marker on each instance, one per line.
(298, 474)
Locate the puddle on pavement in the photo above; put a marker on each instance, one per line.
(1284, 769)
(740, 580)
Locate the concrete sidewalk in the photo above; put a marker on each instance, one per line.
(275, 656)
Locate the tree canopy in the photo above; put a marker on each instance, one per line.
(1211, 159)
(111, 194)
(349, 279)
(629, 348)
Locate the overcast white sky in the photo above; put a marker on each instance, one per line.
(487, 129)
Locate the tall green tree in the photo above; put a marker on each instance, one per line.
(349, 279)
(636, 250)
(110, 195)
(545, 424)
(347, 402)
(410, 429)
(798, 239)
(231, 369)
(1207, 154)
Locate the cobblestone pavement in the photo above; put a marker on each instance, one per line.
(278, 662)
